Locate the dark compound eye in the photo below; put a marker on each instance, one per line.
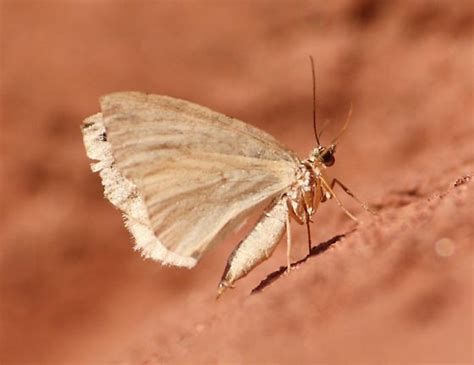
(328, 159)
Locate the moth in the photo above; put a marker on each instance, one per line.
(185, 176)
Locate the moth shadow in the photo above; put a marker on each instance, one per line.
(316, 250)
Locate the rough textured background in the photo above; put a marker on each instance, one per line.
(399, 288)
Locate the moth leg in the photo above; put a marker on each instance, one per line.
(308, 230)
(257, 246)
(328, 188)
(351, 194)
(288, 243)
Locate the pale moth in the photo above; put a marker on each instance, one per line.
(184, 176)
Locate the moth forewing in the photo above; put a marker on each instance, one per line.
(182, 174)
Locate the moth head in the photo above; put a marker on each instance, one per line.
(325, 155)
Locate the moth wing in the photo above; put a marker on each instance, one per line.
(183, 174)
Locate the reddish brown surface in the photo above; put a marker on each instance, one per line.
(73, 290)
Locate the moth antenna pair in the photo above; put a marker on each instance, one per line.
(315, 128)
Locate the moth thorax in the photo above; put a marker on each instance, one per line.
(301, 196)
(315, 153)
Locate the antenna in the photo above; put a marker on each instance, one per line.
(323, 128)
(344, 127)
(314, 100)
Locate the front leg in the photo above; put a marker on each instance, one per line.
(351, 194)
(328, 189)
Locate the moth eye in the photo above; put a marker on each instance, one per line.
(328, 159)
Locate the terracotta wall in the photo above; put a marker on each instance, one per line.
(397, 289)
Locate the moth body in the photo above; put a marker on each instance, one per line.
(300, 202)
(258, 245)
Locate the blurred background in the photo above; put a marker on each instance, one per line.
(73, 291)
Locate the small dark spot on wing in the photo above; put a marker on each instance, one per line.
(87, 125)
